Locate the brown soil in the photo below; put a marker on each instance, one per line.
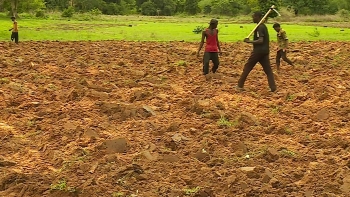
(139, 119)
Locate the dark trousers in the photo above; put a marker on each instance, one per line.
(214, 57)
(264, 60)
(14, 36)
(282, 54)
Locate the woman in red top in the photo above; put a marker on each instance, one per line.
(212, 47)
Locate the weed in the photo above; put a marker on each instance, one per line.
(315, 33)
(288, 153)
(225, 122)
(191, 191)
(198, 29)
(182, 63)
(288, 131)
(290, 97)
(162, 78)
(275, 110)
(117, 194)
(4, 81)
(61, 185)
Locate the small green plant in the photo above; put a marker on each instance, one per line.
(198, 29)
(288, 153)
(182, 63)
(191, 191)
(315, 33)
(61, 185)
(40, 13)
(275, 109)
(117, 194)
(4, 81)
(290, 97)
(68, 13)
(224, 122)
(288, 131)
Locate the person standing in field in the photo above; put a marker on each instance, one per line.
(212, 47)
(14, 35)
(282, 41)
(260, 53)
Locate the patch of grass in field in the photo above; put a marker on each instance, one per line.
(141, 28)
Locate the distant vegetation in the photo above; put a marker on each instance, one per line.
(68, 8)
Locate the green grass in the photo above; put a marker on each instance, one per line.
(141, 28)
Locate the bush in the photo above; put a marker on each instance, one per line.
(198, 29)
(40, 14)
(95, 12)
(344, 14)
(68, 12)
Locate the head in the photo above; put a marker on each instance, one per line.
(13, 18)
(257, 16)
(277, 27)
(213, 23)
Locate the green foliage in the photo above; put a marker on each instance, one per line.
(68, 13)
(344, 14)
(40, 13)
(315, 33)
(95, 12)
(265, 5)
(148, 8)
(198, 29)
(191, 7)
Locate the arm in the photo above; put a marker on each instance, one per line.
(217, 40)
(258, 41)
(202, 43)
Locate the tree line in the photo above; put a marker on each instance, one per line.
(172, 7)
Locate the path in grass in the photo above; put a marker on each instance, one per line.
(155, 29)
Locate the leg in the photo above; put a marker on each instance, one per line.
(12, 36)
(16, 38)
(278, 59)
(284, 57)
(216, 62)
(265, 62)
(253, 59)
(206, 59)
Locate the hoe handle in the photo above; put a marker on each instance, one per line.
(262, 20)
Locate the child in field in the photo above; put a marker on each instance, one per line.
(14, 35)
(282, 41)
(212, 47)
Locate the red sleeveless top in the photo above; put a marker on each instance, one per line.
(211, 41)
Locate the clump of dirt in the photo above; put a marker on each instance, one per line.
(115, 118)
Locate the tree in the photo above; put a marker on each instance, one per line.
(205, 6)
(148, 8)
(166, 7)
(265, 5)
(14, 8)
(191, 7)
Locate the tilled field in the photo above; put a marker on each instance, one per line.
(116, 119)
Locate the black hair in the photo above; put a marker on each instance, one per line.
(258, 14)
(276, 25)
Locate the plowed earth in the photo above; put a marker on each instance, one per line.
(138, 119)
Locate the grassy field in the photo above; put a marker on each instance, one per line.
(140, 28)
